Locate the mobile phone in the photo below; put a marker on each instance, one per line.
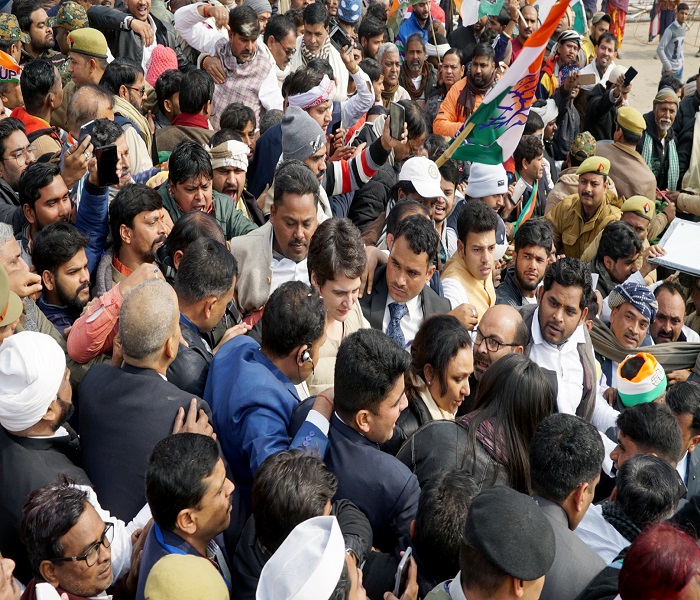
(397, 117)
(586, 79)
(335, 127)
(107, 165)
(402, 573)
(86, 130)
(630, 74)
(518, 192)
(339, 39)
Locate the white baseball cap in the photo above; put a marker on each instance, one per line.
(424, 174)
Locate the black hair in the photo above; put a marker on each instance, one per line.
(321, 65)
(670, 81)
(207, 269)
(336, 249)
(369, 28)
(189, 159)
(294, 177)
(190, 227)
(243, 21)
(486, 50)
(617, 241)
(529, 148)
(629, 369)
(34, 178)
(175, 475)
(279, 27)
(607, 37)
(372, 365)
(516, 397)
(435, 145)
(196, 89)
(437, 342)
(477, 571)
(294, 316)
(401, 208)
(569, 272)
(38, 79)
(534, 233)
(442, 514)
(129, 202)
(316, 13)
(105, 132)
(7, 127)
(415, 37)
(648, 489)
(296, 16)
(23, 11)
(372, 68)
(672, 287)
(684, 399)
(653, 428)
(270, 119)
(534, 123)
(420, 234)
(224, 135)
(630, 137)
(121, 71)
(289, 488)
(476, 217)
(459, 53)
(55, 245)
(416, 120)
(167, 85)
(682, 6)
(49, 513)
(565, 452)
(450, 171)
(236, 116)
(377, 12)
(302, 80)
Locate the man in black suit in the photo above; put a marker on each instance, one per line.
(369, 396)
(36, 443)
(204, 284)
(125, 411)
(401, 297)
(684, 401)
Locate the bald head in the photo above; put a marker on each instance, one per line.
(503, 324)
(147, 321)
(89, 102)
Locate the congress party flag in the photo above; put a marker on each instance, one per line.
(493, 131)
(580, 24)
(472, 10)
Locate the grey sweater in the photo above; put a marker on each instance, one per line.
(670, 48)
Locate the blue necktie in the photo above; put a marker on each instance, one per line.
(397, 312)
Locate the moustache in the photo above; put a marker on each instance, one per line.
(158, 241)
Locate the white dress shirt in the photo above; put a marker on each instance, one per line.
(599, 535)
(411, 320)
(285, 269)
(682, 468)
(564, 361)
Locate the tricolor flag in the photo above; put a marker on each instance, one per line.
(580, 21)
(495, 128)
(472, 10)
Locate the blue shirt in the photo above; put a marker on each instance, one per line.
(407, 29)
(252, 402)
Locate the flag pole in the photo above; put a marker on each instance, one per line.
(456, 143)
(432, 30)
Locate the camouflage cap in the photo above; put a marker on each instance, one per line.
(10, 31)
(583, 146)
(70, 16)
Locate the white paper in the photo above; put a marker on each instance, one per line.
(682, 245)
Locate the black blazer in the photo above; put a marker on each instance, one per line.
(373, 305)
(387, 492)
(124, 413)
(27, 464)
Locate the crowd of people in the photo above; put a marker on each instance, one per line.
(263, 337)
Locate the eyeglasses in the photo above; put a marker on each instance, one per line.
(93, 552)
(288, 51)
(492, 345)
(21, 157)
(141, 91)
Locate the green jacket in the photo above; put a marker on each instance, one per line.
(231, 220)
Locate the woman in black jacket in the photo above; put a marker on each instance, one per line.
(438, 381)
